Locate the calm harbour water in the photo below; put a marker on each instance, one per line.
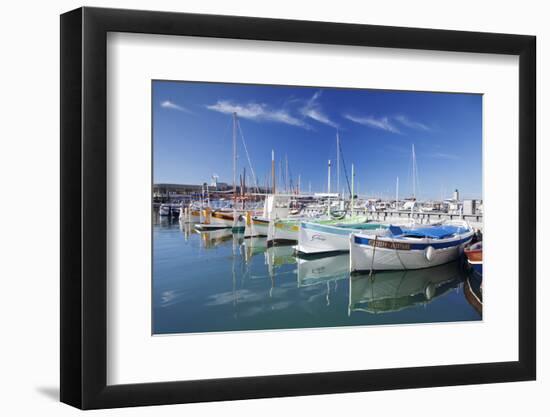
(218, 281)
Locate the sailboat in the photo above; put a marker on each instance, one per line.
(226, 218)
(288, 231)
(276, 206)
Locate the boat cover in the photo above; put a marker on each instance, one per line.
(433, 232)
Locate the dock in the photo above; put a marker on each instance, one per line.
(475, 220)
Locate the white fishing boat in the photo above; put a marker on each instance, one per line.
(170, 209)
(191, 214)
(317, 237)
(276, 206)
(409, 247)
(221, 219)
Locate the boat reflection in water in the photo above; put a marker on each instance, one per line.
(187, 230)
(394, 291)
(312, 271)
(252, 247)
(473, 291)
(214, 238)
(278, 256)
(324, 270)
(218, 281)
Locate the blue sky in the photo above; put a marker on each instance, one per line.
(192, 136)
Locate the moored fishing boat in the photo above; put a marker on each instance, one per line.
(276, 206)
(169, 209)
(229, 218)
(221, 219)
(474, 257)
(409, 248)
(255, 226)
(325, 237)
(190, 214)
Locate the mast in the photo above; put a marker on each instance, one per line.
(243, 188)
(328, 187)
(273, 171)
(337, 161)
(286, 173)
(299, 181)
(234, 159)
(281, 174)
(352, 189)
(397, 194)
(414, 171)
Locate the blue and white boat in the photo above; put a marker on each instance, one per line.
(409, 248)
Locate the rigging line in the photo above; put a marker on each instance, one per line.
(345, 169)
(248, 157)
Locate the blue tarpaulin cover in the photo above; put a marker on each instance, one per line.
(433, 232)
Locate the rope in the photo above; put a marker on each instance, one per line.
(345, 169)
(373, 252)
(248, 157)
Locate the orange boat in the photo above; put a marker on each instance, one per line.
(474, 256)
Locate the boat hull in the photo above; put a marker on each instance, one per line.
(368, 253)
(283, 232)
(256, 227)
(228, 219)
(190, 216)
(474, 257)
(316, 238)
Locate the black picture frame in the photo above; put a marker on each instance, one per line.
(84, 207)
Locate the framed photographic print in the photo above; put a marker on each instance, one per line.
(258, 208)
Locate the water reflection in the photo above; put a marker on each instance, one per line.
(393, 291)
(312, 271)
(219, 281)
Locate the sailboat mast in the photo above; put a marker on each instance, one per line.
(234, 158)
(414, 172)
(328, 187)
(328, 177)
(352, 189)
(273, 171)
(286, 173)
(397, 193)
(337, 161)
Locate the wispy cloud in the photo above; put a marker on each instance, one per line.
(393, 124)
(257, 112)
(314, 111)
(383, 123)
(407, 122)
(167, 104)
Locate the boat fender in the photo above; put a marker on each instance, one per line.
(429, 291)
(429, 253)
